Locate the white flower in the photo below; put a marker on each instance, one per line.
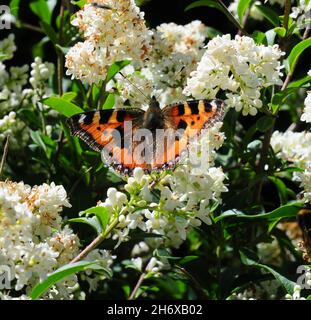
(305, 181)
(238, 66)
(32, 242)
(7, 47)
(110, 35)
(306, 116)
(140, 248)
(115, 200)
(137, 262)
(40, 72)
(176, 49)
(105, 260)
(296, 295)
(301, 13)
(292, 146)
(295, 147)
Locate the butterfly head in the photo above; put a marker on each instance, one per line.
(153, 118)
(154, 104)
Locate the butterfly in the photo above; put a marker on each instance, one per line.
(304, 221)
(112, 132)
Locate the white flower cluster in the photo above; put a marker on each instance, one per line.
(7, 47)
(176, 50)
(238, 66)
(14, 129)
(14, 93)
(134, 88)
(292, 146)
(306, 116)
(295, 147)
(111, 34)
(269, 253)
(305, 181)
(32, 243)
(40, 72)
(296, 294)
(174, 53)
(105, 260)
(176, 203)
(302, 13)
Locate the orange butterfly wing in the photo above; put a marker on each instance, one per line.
(104, 131)
(191, 117)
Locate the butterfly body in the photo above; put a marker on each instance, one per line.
(114, 132)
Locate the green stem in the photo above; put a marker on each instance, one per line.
(5, 153)
(60, 57)
(286, 14)
(31, 27)
(102, 95)
(137, 286)
(96, 242)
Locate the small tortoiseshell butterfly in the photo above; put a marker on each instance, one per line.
(98, 128)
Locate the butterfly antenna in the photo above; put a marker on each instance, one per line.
(134, 85)
(178, 73)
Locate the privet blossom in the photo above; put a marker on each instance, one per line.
(239, 67)
(306, 116)
(20, 90)
(33, 242)
(295, 147)
(110, 35)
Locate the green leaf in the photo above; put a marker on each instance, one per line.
(282, 189)
(115, 68)
(68, 109)
(41, 9)
(79, 3)
(187, 259)
(280, 31)
(35, 136)
(109, 102)
(280, 99)
(300, 82)
(69, 96)
(212, 32)
(287, 211)
(206, 3)
(63, 50)
(61, 274)
(259, 37)
(249, 261)
(49, 31)
(269, 14)
(264, 123)
(243, 5)
(217, 5)
(101, 213)
(296, 52)
(14, 7)
(93, 222)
